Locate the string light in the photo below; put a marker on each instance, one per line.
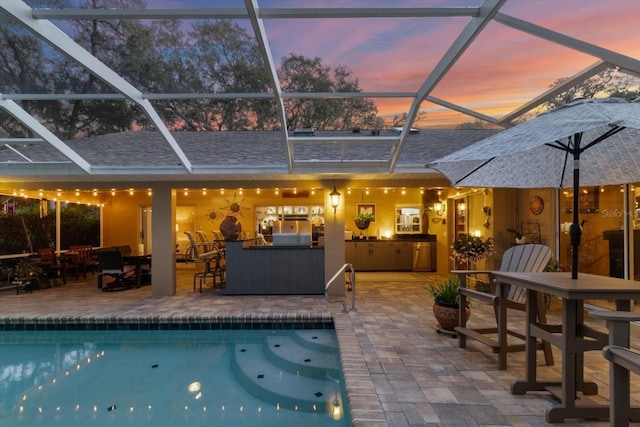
(99, 197)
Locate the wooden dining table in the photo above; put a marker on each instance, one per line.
(573, 337)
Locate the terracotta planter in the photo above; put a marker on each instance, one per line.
(447, 316)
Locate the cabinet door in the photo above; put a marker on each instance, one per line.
(399, 256)
(404, 256)
(380, 260)
(364, 255)
(367, 258)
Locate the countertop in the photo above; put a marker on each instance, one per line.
(423, 238)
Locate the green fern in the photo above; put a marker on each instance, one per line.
(446, 291)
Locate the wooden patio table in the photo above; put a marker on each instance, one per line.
(573, 337)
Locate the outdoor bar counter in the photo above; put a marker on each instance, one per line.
(273, 270)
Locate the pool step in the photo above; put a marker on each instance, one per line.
(286, 352)
(320, 340)
(278, 385)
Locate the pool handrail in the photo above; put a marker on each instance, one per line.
(352, 282)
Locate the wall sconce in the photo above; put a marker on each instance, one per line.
(438, 206)
(335, 199)
(461, 207)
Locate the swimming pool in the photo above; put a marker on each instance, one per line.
(172, 377)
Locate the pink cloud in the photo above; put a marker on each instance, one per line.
(503, 68)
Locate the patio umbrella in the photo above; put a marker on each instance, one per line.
(547, 151)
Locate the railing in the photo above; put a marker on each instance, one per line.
(352, 283)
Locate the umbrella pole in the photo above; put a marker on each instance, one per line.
(575, 232)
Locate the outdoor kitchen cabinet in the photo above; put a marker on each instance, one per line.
(401, 256)
(379, 255)
(370, 256)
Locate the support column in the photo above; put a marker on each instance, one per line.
(334, 256)
(58, 223)
(163, 267)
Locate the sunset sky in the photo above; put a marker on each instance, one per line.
(503, 69)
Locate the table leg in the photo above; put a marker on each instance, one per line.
(502, 325)
(587, 388)
(570, 364)
(573, 369)
(138, 273)
(530, 382)
(462, 317)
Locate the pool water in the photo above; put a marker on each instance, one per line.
(170, 378)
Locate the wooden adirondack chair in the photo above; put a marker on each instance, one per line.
(520, 258)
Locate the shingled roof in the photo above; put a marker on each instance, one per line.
(252, 155)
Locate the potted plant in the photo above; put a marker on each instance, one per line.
(520, 238)
(469, 249)
(446, 302)
(554, 266)
(362, 220)
(26, 275)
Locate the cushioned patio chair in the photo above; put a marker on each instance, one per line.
(219, 239)
(519, 258)
(208, 253)
(203, 240)
(110, 263)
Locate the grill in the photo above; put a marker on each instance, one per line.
(292, 233)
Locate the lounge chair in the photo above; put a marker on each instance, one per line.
(110, 263)
(519, 258)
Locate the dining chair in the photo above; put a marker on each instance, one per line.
(85, 258)
(60, 265)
